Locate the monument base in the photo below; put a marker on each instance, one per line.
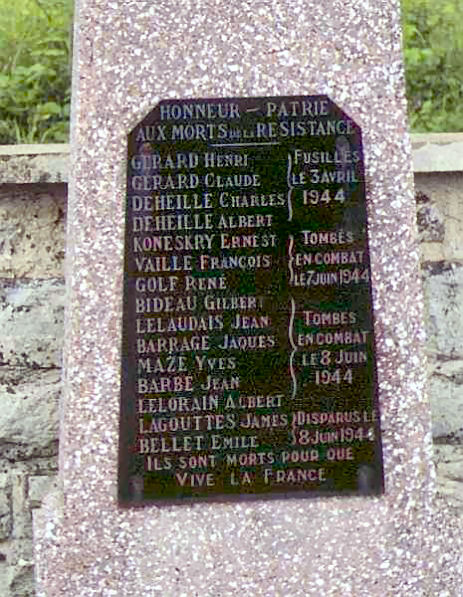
(337, 546)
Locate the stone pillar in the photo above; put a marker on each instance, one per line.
(130, 55)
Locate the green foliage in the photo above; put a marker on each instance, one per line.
(433, 48)
(35, 70)
(35, 39)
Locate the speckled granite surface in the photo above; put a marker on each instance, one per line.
(128, 56)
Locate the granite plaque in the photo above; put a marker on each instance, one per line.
(248, 353)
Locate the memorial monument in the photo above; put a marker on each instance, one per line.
(244, 409)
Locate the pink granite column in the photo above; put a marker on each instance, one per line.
(129, 55)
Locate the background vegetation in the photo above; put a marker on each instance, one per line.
(35, 59)
(35, 70)
(433, 48)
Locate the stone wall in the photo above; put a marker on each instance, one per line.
(32, 232)
(439, 195)
(32, 229)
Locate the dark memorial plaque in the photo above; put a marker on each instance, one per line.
(248, 356)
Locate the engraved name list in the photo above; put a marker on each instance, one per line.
(248, 361)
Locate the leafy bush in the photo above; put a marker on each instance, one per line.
(433, 48)
(35, 70)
